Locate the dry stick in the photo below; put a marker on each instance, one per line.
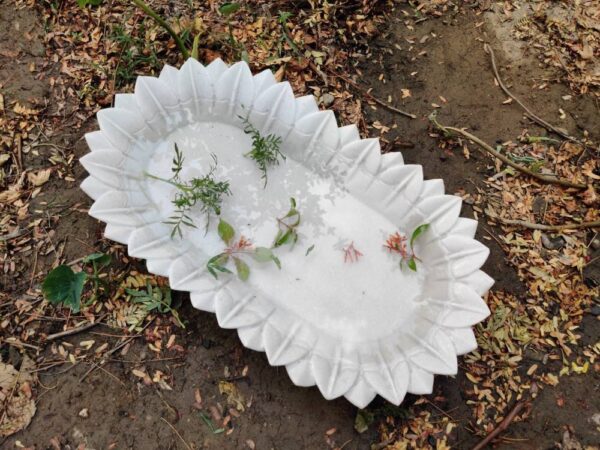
(177, 433)
(113, 350)
(503, 426)
(505, 159)
(87, 326)
(539, 226)
(372, 97)
(534, 117)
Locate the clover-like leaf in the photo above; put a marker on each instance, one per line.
(226, 231)
(62, 285)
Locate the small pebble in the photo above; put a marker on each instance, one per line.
(553, 243)
(84, 413)
(327, 99)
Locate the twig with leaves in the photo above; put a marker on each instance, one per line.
(234, 251)
(265, 150)
(155, 299)
(205, 191)
(64, 286)
(288, 224)
(397, 243)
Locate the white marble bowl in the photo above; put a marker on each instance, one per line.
(355, 329)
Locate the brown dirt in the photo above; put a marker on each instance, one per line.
(126, 413)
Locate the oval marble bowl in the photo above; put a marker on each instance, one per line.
(355, 328)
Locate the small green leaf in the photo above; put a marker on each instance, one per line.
(217, 263)
(194, 52)
(412, 264)
(242, 269)
(293, 202)
(245, 57)
(276, 261)
(102, 259)
(287, 237)
(284, 16)
(263, 254)
(309, 249)
(62, 285)
(228, 9)
(363, 419)
(226, 231)
(84, 3)
(418, 231)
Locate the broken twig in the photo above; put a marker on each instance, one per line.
(505, 159)
(540, 226)
(372, 97)
(502, 426)
(177, 433)
(529, 113)
(72, 331)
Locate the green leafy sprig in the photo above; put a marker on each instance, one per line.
(64, 286)
(205, 191)
(397, 243)
(265, 150)
(288, 224)
(234, 251)
(156, 299)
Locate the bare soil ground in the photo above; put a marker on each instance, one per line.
(121, 412)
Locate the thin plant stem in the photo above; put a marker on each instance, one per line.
(163, 23)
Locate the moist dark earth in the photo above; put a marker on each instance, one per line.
(123, 413)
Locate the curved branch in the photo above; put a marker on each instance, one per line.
(528, 112)
(505, 159)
